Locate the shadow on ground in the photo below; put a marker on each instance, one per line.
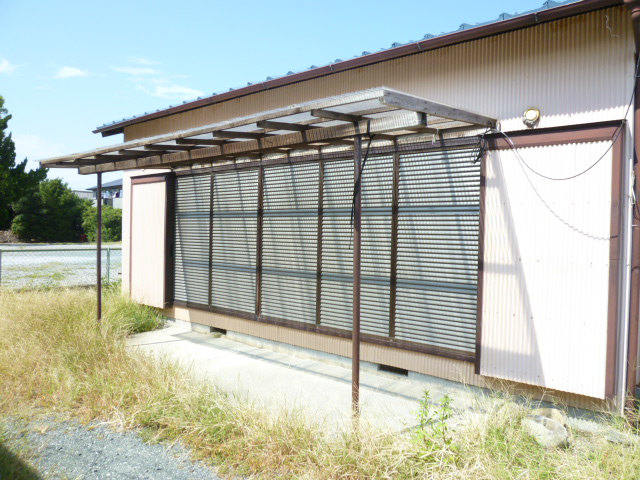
(13, 467)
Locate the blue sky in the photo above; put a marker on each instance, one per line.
(69, 66)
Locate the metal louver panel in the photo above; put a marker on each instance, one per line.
(192, 216)
(233, 247)
(289, 242)
(336, 291)
(418, 287)
(437, 263)
(377, 192)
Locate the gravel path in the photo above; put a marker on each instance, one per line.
(68, 450)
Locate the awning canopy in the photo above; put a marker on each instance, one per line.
(382, 113)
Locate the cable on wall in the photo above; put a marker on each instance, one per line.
(571, 177)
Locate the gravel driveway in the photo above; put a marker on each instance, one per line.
(68, 450)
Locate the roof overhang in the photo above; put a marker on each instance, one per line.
(463, 35)
(382, 113)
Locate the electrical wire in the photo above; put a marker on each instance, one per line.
(571, 177)
(615, 137)
(357, 186)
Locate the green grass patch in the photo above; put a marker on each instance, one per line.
(54, 357)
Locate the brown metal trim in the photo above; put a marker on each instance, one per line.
(152, 178)
(393, 263)
(319, 241)
(440, 144)
(259, 226)
(542, 137)
(480, 282)
(576, 133)
(615, 248)
(496, 28)
(334, 332)
(169, 242)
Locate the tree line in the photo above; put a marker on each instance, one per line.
(39, 209)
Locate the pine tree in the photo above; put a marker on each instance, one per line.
(15, 181)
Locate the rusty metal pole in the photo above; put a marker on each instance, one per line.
(357, 222)
(99, 247)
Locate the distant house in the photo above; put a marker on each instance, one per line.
(85, 194)
(111, 193)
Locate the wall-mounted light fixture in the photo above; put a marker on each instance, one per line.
(531, 116)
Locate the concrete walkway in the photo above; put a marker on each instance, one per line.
(319, 385)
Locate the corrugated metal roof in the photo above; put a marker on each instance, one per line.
(109, 185)
(116, 126)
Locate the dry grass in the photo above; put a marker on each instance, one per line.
(53, 357)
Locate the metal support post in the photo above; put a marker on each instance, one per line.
(99, 247)
(357, 220)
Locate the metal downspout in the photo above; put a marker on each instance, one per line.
(628, 381)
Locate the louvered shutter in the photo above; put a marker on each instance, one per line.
(233, 247)
(289, 242)
(192, 216)
(438, 221)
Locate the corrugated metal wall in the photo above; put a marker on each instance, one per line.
(546, 268)
(574, 70)
(148, 243)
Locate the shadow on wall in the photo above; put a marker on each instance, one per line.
(520, 359)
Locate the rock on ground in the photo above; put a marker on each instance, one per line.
(67, 449)
(548, 426)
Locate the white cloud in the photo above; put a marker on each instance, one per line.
(177, 92)
(137, 71)
(35, 148)
(143, 61)
(155, 82)
(6, 66)
(69, 72)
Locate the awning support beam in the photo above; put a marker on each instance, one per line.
(199, 141)
(292, 127)
(169, 148)
(331, 115)
(408, 102)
